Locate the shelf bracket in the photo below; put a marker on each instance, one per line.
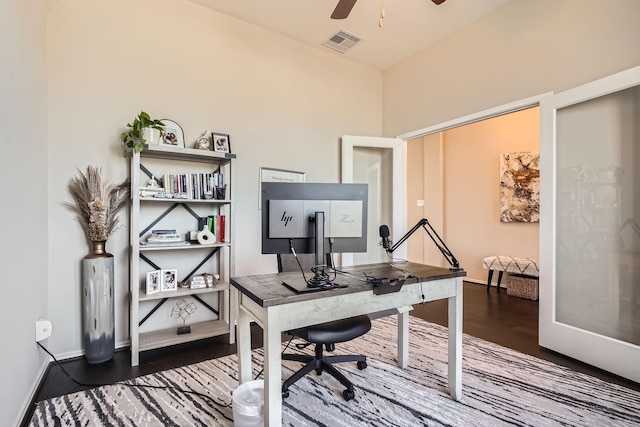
(203, 302)
(153, 310)
(205, 259)
(151, 263)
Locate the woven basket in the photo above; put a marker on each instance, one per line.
(522, 286)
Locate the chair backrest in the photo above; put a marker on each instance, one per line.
(287, 262)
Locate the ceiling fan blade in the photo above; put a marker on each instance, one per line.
(343, 9)
(437, 2)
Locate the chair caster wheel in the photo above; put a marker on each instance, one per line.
(348, 394)
(362, 365)
(285, 394)
(318, 371)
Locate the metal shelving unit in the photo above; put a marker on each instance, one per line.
(214, 257)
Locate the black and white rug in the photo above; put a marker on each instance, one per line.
(501, 387)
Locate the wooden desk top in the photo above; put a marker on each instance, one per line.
(267, 289)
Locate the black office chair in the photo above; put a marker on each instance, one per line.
(324, 334)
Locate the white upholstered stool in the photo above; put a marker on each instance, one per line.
(516, 265)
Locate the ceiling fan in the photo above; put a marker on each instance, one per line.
(343, 8)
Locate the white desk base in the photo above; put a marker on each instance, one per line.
(276, 319)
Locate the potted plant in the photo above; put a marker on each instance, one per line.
(135, 137)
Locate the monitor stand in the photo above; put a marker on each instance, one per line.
(300, 285)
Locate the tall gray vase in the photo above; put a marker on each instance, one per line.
(98, 325)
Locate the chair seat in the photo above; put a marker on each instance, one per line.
(336, 331)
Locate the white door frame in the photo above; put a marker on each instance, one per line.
(399, 185)
(501, 110)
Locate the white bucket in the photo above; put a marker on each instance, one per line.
(248, 402)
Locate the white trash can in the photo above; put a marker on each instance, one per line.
(248, 402)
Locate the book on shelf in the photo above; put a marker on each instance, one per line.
(166, 232)
(164, 239)
(163, 244)
(194, 186)
(216, 224)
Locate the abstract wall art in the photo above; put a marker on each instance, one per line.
(520, 187)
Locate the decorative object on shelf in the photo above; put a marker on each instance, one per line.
(152, 188)
(221, 142)
(204, 141)
(183, 310)
(153, 282)
(143, 130)
(169, 280)
(200, 281)
(173, 134)
(520, 187)
(205, 236)
(96, 205)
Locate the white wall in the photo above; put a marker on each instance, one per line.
(284, 104)
(522, 49)
(23, 211)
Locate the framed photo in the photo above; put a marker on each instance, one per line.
(169, 280)
(278, 175)
(221, 142)
(173, 134)
(153, 282)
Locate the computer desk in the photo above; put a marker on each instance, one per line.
(273, 306)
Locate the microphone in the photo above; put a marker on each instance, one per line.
(384, 234)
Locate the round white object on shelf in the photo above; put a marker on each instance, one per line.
(205, 236)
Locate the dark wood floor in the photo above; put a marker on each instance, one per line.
(494, 316)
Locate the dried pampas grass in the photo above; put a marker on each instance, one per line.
(97, 203)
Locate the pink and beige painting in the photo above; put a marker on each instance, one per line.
(520, 187)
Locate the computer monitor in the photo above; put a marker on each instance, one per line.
(290, 212)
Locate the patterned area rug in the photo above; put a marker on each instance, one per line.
(501, 387)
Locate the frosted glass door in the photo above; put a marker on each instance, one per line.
(590, 227)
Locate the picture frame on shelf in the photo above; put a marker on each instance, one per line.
(221, 142)
(169, 280)
(173, 134)
(153, 282)
(278, 175)
(204, 142)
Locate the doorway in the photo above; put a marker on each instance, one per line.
(453, 181)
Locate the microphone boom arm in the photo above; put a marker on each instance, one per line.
(431, 232)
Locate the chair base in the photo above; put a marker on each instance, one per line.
(321, 364)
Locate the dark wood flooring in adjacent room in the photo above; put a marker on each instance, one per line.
(491, 315)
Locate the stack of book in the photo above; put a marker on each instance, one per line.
(165, 237)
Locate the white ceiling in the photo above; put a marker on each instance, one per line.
(409, 25)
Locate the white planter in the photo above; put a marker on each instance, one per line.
(151, 136)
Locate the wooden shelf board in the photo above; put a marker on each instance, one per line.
(211, 201)
(169, 336)
(191, 246)
(179, 153)
(223, 286)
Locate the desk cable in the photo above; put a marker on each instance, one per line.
(205, 396)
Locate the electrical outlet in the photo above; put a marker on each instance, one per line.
(44, 328)
(420, 203)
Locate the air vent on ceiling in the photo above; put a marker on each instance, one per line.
(341, 41)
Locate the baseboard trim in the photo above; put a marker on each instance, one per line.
(29, 402)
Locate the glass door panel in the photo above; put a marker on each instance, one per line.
(598, 161)
(590, 223)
